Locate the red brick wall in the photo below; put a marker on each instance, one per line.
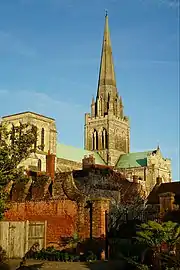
(61, 216)
(99, 208)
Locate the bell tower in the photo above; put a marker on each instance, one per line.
(106, 128)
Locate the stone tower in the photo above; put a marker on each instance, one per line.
(106, 128)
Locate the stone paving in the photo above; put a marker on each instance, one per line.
(43, 265)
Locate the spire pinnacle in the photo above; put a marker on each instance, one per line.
(106, 74)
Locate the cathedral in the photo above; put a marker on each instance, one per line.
(106, 135)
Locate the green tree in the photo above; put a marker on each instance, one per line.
(16, 144)
(154, 235)
(159, 240)
(2, 202)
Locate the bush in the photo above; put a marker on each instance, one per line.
(2, 255)
(91, 256)
(51, 254)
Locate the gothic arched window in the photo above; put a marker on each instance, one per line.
(34, 130)
(104, 139)
(95, 140)
(39, 165)
(42, 139)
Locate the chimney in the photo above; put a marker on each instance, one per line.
(88, 162)
(50, 165)
(166, 201)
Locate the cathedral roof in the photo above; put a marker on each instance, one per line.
(76, 154)
(133, 160)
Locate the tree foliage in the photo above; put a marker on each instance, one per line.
(2, 202)
(159, 240)
(154, 235)
(124, 212)
(16, 144)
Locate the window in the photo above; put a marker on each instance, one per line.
(104, 139)
(95, 140)
(42, 139)
(39, 165)
(34, 129)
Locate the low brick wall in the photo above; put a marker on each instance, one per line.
(61, 217)
(64, 217)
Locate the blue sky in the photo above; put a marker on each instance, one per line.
(50, 55)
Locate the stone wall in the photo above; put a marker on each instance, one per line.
(64, 165)
(118, 134)
(43, 123)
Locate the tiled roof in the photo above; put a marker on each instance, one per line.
(131, 160)
(76, 154)
(174, 187)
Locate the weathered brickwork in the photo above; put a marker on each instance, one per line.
(65, 205)
(100, 206)
(166, 202)
(61, 217)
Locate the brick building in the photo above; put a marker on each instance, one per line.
(63, 201)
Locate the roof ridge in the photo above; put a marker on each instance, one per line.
(25, 112)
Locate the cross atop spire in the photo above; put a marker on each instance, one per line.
(106, 74)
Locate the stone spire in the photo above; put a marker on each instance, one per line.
(106, 128)
(107, 80)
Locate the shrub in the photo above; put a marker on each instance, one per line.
(51, 254)
(91, 256)
(2, 255)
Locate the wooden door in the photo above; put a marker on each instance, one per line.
(16, 239)
(37, 234)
